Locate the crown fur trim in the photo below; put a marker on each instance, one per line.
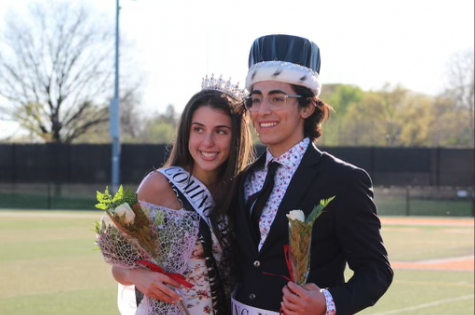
(221, 85)
(283, 72)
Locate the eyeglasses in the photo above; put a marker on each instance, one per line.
(275, 101)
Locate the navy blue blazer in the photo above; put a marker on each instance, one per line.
(347, 233)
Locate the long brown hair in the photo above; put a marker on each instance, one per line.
(240, 155)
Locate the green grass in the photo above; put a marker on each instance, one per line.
(50, 266)
(424, 207)
(413, 290)
(413, 243)
(42, 201)
(427, 292)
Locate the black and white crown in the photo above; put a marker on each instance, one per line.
(221, 85)
(285, 58)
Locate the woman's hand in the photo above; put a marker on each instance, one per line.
(306, 300)
(155, 285)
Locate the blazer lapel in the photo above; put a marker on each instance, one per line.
(298, 186)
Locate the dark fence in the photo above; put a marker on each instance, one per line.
(91, 164)
(408, 181)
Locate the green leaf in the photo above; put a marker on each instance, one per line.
(97, 227)
(102, 206)
(107, 195)
(119, 195)
(317, 210)
(325, 202)
(99, 196)
(104, 199)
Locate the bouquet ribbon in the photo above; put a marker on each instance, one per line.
(177, 277)
(288, 262)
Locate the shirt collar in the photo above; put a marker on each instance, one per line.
(291, 158)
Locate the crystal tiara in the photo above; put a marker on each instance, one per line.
(226, 87)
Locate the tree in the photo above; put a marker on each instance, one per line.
(461, 89)
(341, 97)
(395, 116)
(377, 119)
(56, 70)
(364, 122)
(417, 117)
(131, 123)
(170, 116)
(160, 128)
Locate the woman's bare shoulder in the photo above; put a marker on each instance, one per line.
(156, 189)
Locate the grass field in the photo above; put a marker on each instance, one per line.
(49, 266)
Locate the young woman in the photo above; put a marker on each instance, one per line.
(212, 146)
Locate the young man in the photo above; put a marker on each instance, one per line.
(283, 82)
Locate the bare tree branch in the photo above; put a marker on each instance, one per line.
(56, 70)
(461, 87)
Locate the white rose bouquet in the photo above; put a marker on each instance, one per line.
(133, 234)
(129, 218)
(300, 239)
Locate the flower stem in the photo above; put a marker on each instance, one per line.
(182, 305)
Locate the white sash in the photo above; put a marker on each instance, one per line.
(195, 192)
(243, 309)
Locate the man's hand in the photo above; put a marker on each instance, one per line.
(306, 300)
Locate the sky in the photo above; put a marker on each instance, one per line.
(366, 43)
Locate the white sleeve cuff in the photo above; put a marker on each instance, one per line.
(331, 309)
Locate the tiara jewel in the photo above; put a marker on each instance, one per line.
(226, 87)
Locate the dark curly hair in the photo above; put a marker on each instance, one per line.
(313, 124)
